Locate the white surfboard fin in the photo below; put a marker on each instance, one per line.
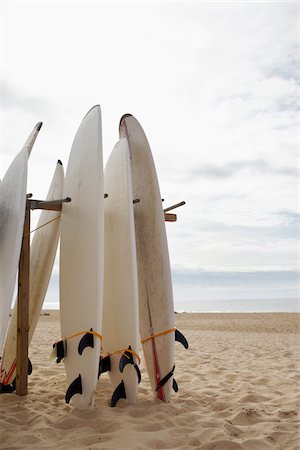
(59, 351)
(175, 385)
(127, 358)
(163, 381)
(118, 394)
(74, 388)
(104, 365)
(86, 341)
(180, 338)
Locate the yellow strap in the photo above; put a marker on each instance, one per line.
(41, 226)
(161, 333)
(98, 335)
(122, 351)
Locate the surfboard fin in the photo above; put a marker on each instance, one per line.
(104, 365)
(86, 341)
(175, 385)
(29, 367)
(127, 358)
(180, 338)
(118, 394)
(9, 388)
(138, 372)
(6, 388)
(59, 350)
(74, 388)
(163, 381)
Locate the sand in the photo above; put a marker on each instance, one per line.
(239, 388)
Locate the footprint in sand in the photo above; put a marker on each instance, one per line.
(247, 417)
(287, 414)
(221, 445)
(232, 430)
(253, 398)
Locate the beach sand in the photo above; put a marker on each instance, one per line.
(239, 388)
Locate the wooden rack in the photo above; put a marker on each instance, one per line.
(23, 285)
(23, 291)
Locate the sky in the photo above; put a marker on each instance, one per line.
(215, 86)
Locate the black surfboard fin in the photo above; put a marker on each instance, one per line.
(6, 388)
(163, 381)
(74, 388)
(138, 372)
(29, 367)
(87, 340)
(180, 338)
(175, 385)
(61, 350)
(127, 358)
(104, 365)
(118, 394)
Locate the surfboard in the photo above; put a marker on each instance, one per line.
(81, 263)
(12, 213)
(120, 307)
(156, 309)
(42, 255)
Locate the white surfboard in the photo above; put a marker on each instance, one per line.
(156, 310)
(120, 308)
(12, 213)
(81, 261)
(42, 254)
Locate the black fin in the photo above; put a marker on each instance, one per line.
(104, 365)
(29, 367)
(180, 338)
(74, 388)
(163, 381)
(119, 393)
(175, 385)
(86, 341)
(126, 358)
(61, 350)
(7, 388)
(138, 372)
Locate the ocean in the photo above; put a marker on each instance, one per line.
(223, 306)
(240, 305)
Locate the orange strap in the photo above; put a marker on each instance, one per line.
(122, 351)
(161, 333)
(98, 335)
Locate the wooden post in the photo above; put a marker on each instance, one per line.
(170, 217)
(23, 308)
(174, 206)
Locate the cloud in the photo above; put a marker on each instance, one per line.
(235, 278)
(233, 168)
(15, 98)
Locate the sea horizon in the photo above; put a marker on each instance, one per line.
(265, 305)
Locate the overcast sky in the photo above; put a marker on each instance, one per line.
(215, 87)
